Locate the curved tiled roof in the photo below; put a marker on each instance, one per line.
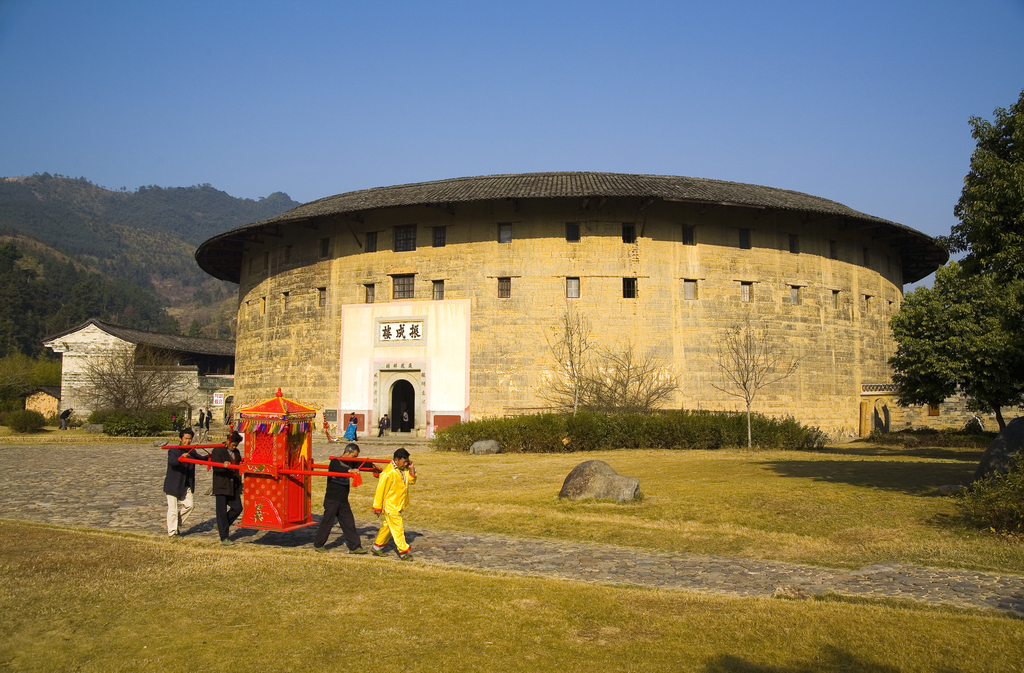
(221, 256)
(170, 342)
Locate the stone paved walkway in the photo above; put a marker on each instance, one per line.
(119, 487)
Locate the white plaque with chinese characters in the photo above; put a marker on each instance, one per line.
(401, 331)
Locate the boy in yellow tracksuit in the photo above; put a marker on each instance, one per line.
(391, 497)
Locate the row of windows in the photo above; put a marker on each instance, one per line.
(404, 240)
(403, 287)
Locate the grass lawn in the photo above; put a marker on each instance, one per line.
(95, 601)
(846, 506)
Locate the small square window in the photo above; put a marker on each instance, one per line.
(690, 288)
(688, 237)
(504, 232)
(438, 290)
(794, 244)
(833, 249)
(325, 247)
(572, 288)
(440, 236)
(371, 292)
(628, 232)
(629, 288)
(263, 305)
(404, 287)
(321, 296)
(371, 241)
(835, 298)
(405, 238)
(747, 292)
(933, 410)
(572, 232)
(744, 239)
(867, 303)
(504, 288)
(286, 297)
(794, 295)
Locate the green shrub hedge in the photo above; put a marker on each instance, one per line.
(997, 503)
(587, 431)
(134, 423)
(25, 420)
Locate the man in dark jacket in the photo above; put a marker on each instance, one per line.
(227, 486)
(336, 504)
(180, 483)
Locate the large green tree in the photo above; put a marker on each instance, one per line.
(991, 206)
(955, 337)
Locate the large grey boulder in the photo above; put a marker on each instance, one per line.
(996, 458)
(93, 427)
(596, 479)
(484, 447)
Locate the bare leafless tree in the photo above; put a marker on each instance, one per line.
(750, 361)
(599, 379)
(571, 349)
(131, 379)
(626, 381)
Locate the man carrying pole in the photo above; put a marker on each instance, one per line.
(180, 483)
(336, 504)
(390, 499)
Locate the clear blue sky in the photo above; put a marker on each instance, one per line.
(866, 103)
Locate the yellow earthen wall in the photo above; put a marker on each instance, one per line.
(297, 348)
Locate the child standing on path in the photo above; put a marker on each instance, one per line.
(390, 499)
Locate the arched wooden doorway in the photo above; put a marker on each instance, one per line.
(403, 406)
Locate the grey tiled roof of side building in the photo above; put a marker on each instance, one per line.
(171, 342)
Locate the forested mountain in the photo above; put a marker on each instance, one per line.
(71, 250)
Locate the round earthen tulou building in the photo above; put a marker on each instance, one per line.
(438, 302)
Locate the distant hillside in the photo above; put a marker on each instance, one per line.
(144, 239)
(43, 291)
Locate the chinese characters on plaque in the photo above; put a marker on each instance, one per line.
(400, 331)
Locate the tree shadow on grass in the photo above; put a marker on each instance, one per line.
(937, 452)
(828, 659)
(921, 479)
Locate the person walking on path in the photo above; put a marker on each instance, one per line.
(202, 418)
(64, 416)
(180, 483)
(227, 486)
(391, 497)
(384, 424)
(336, 504)
(209, 414)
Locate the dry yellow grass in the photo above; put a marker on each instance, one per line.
(92, 601)
(845, 507)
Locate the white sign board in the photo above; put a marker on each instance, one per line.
(218, 399)
(401, 331)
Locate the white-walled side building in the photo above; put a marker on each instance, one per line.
(206, 367)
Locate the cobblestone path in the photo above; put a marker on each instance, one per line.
(119, 487)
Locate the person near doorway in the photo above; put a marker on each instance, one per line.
(350, 431)
(405, 421)
(384, 425)
(391, 497)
